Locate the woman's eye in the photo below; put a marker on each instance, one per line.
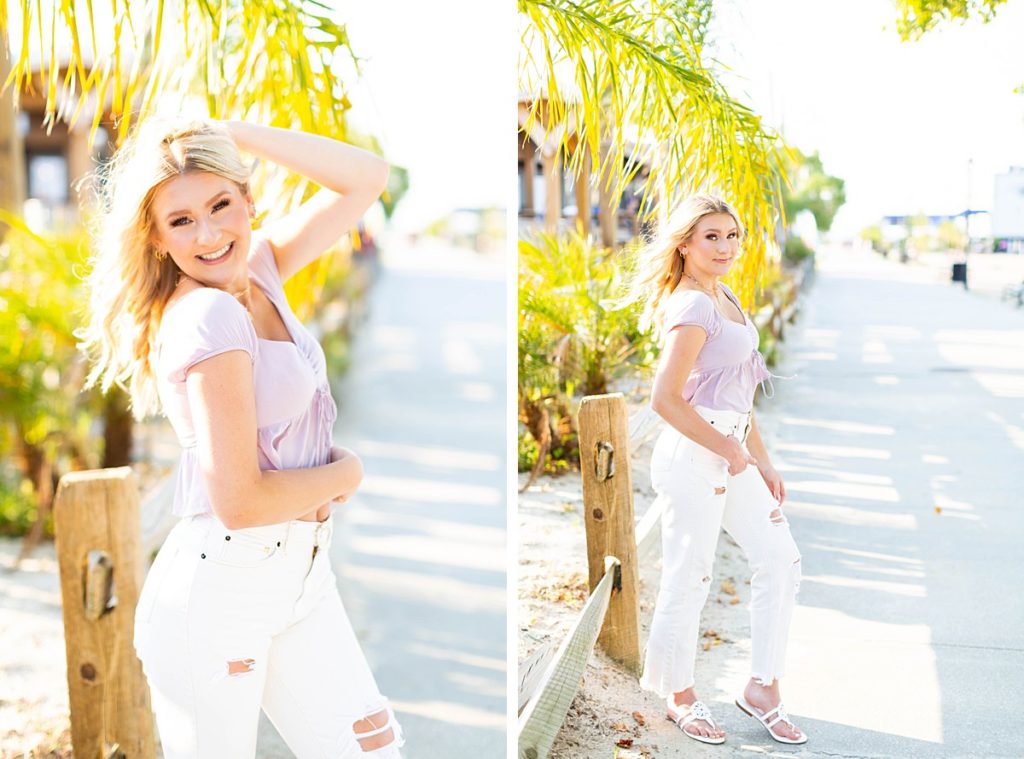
(216, 207)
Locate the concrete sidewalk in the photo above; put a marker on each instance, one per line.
(420, 549)
(901, 441)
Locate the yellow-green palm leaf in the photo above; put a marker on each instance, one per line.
(630, 82)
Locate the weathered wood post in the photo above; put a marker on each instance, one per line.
(608, 516)
(98, 537)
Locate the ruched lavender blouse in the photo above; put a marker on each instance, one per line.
(729, 365)
(295, 412)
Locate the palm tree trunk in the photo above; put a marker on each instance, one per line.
(118, 428)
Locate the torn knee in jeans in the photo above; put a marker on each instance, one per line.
(777, 517)
(378, 730)
(240, 666)
(720, 490)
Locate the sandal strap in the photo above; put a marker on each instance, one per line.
(782, 716)
(698, 710)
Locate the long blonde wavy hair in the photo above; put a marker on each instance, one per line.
(659, 267)
(128, 285)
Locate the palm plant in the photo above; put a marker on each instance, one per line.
(47, 421)
(573, 336)
(915, 18)
(630, 82)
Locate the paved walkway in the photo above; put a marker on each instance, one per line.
(421, 550)
(902, 445)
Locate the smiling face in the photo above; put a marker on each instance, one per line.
(203, 221)
(712, 247)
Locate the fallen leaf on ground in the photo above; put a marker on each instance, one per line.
(938, 509)
(624, 742)
(620, 727)
(728, 587)
(734, 600)
(707, 645)
(640, 719)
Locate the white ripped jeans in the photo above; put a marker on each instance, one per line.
(699, 498)
(230, 621)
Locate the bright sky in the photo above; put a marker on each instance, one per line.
(438, 90)
(898, 121)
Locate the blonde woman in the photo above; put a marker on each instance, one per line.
(240, 610)
(711, 470)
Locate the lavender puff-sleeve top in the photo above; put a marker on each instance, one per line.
(295, 412)
(729, 365)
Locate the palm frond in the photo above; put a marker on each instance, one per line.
(628, 81)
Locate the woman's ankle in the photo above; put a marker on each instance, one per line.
(756, 688)
(683, 697)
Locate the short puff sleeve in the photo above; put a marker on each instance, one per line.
(693, 308)
(263, 263)
(204, 323)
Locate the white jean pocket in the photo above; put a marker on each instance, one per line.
(242, 550)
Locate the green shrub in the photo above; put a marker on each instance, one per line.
(796, 250)
(574, 340)
(46, 422)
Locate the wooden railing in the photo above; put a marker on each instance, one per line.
(99, 552)
(611, 617)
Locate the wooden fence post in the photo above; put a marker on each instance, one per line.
(608, 516)
(96, 519)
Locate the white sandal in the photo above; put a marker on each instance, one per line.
(769, 722)
(698, 710)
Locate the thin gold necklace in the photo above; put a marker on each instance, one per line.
(710, 291)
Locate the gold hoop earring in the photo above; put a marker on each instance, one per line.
(160, 255)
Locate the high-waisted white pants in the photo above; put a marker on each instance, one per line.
(230, 621)
(699, 498)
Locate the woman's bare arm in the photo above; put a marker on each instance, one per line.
(222, 398)
(758, 450)
(352, 180)
(756, 445)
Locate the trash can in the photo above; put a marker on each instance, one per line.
(960, 273)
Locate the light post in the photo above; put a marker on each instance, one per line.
(967, 215)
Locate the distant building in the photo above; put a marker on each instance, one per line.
(552, 195)
(1008, 210)
(54, 160)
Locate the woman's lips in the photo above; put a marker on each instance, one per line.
(222, 259)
